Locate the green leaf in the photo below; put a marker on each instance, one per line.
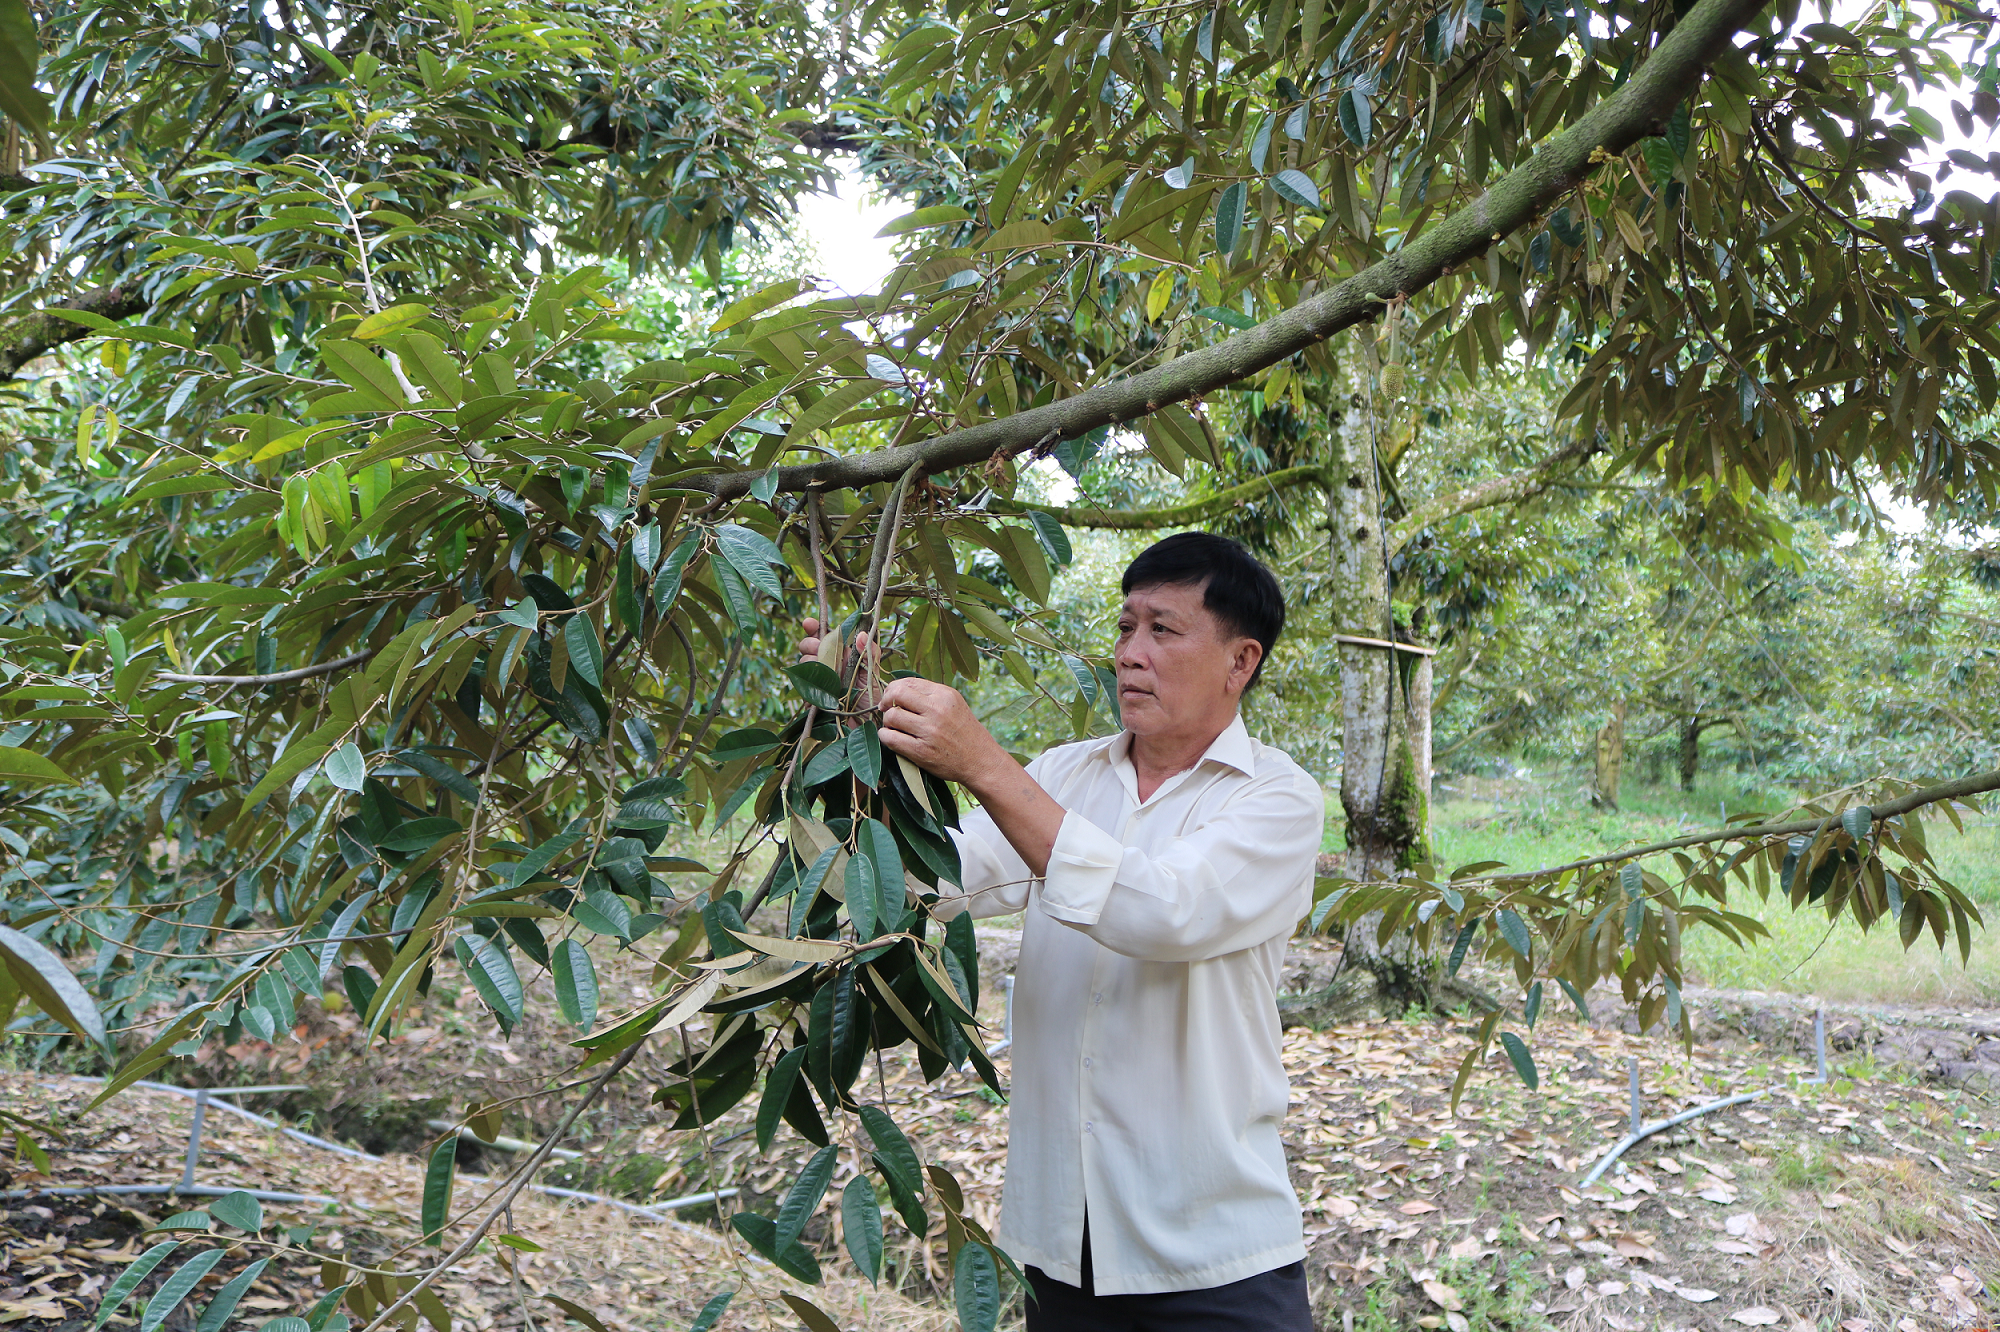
(177, 1288)
(736, 598)
(1296, 186)
(216, 1316)
(1532, 1009)
(1660, 159)
(437, 1189)
(391, 320)
(443, 774)
(893, 1154)
(863, 899)
(864, 753)
(1575, 997)
(1680, 130)
(345, 767)
(50, 986)
(532, 864)
(129, 1280)
(819, 683)
(492, 973)
(239, 1209)
(1524, 1063)
(1515, 931)
(586, 653)
(758, 302)
(1357, 117)
(1233, 318)
(762, 1235)
(1857, 821)
(24, 765)
(1054, 540)
(1229, 217)
(1460, 945)
(827, 763)
(938, 215)
(20, 53)
(667, 583)
(198, 1219)
(711, 1311)
(1260, 142)
(778, 1087)
(802, 1199)
(1633, 880)
(815, 1318)
(603, 912)
(861, 1227)
(576, 983)
(419, 835)
(975, 1287)
(370, 375)
(885, 862)
(752, 555)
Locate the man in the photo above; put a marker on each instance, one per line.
(1160, 873)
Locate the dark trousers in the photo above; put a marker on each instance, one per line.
(1273, 1301)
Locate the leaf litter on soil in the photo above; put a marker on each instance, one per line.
(1860, 1205)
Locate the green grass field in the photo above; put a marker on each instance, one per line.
(1529, 822)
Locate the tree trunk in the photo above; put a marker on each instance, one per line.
(1420, 731)
(1385, 753)
(1690, 751)
(1610, 758)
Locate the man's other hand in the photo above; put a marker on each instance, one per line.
(933, 726)
(811, 645)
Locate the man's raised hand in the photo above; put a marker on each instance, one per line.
(933, 726)
(815, 646)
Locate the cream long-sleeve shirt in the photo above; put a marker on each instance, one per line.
(1147, 1081)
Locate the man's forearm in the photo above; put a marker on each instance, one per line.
(1027, 816)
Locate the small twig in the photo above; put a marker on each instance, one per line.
(513, 1271)
(276, 677)
(879, 560)
(708, 718)
(522, 1175)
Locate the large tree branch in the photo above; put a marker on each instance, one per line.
(1634, 112)
(1180, 515)
(1977, 784)
(1500, 490)
(29, 336)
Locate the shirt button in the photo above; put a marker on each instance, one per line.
(1096, 998)
(1086, 1061)
(1086, 1126)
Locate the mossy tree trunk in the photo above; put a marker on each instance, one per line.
(1384, 782)
(1610, 767)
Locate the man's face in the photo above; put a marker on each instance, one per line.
(1179, 668)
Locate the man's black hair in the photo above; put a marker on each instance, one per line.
(1236, 587)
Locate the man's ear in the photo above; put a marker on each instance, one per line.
(1243, 659)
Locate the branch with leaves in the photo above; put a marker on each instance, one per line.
(1637, 110)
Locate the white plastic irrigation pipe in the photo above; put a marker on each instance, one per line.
(1640, 1132)
(210, 1097)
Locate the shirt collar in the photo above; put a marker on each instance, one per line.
(1233, 748)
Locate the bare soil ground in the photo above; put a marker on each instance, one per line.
(1865, 1205)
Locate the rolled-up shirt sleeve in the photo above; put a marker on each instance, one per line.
(1229, 884)
(993, 879)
